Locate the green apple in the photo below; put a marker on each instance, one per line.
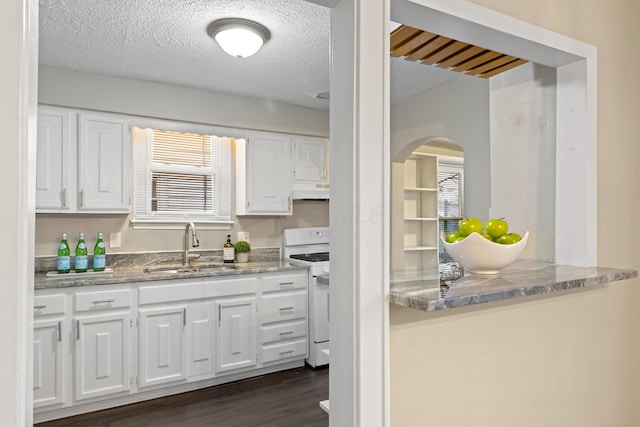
(515, 237)
(470, 225)
(454, 236)
(496, 227)
(486, 235)
(508, 239)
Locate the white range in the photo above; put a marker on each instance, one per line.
(309, 247)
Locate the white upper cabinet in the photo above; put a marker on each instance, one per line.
(309, 159)
(83, 162)
(263, 175)
(104, 152)
(55, 173)
(310, 168)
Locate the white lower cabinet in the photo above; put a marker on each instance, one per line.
(200, 340)
(131, 342)
(47, 363)
(48, 350)
(236, 334)
(102, 355)
(283, 317)
(162, 345)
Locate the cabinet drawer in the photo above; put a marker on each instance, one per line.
(284, 282)
(282, 332)
(274, 353)
(284, 307)
(48, 304)
(197, 290)
(103, 300)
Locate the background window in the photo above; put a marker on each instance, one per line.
(450, 212)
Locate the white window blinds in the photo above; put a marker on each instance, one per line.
(180, 176)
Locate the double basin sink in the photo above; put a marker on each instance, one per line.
(192, 269)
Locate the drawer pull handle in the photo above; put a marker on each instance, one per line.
(287, 284)
(104, 301)
(286, 308)
(39, 307)
(283, 353)
(282, 334)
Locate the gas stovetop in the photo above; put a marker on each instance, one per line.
(314, 257)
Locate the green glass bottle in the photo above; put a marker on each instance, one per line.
(82, 260)
(64, 255)
(99, 255)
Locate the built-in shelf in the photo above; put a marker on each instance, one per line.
(416, 189)
(420, 248)
(420, 210)
(421, 219)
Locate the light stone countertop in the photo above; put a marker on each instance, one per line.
(137, 274)
(421, 290)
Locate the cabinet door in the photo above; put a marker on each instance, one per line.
(162, 345)
(55, 173)
(104, 152)
(200, 336)
(102, 355)
(236, 335)
(269, 174)
(47, 363)
(309, 160)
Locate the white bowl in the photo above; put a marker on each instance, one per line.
(482, 256)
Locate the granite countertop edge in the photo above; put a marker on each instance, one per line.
(137, 274)
(523, 278)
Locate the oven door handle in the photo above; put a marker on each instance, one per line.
(328, 310)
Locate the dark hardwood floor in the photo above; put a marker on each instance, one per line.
(288, 398)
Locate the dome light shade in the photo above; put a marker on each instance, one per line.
(239, 37)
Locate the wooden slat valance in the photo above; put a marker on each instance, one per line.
(413, 44)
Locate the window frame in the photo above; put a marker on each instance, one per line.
(224, 186)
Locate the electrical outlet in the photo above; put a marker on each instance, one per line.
(115, 240)
(243, 235)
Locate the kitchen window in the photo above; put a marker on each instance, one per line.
(181, 175)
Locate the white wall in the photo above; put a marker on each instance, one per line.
(58, 86)
(458, 110)
(523, 154)
(135, 97)
(569, 360)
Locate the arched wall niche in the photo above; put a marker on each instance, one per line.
(436, 142)
(414, 201)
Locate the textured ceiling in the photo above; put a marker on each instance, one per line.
(166, 41)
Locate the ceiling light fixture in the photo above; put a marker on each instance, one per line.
(239, 37)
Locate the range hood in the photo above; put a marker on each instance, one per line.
(310, 191)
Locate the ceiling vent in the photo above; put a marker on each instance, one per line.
(413, 44)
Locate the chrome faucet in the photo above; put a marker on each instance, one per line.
(194, 243)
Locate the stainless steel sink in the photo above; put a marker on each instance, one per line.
(171, 270)
(191, 269)
(218, 267)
